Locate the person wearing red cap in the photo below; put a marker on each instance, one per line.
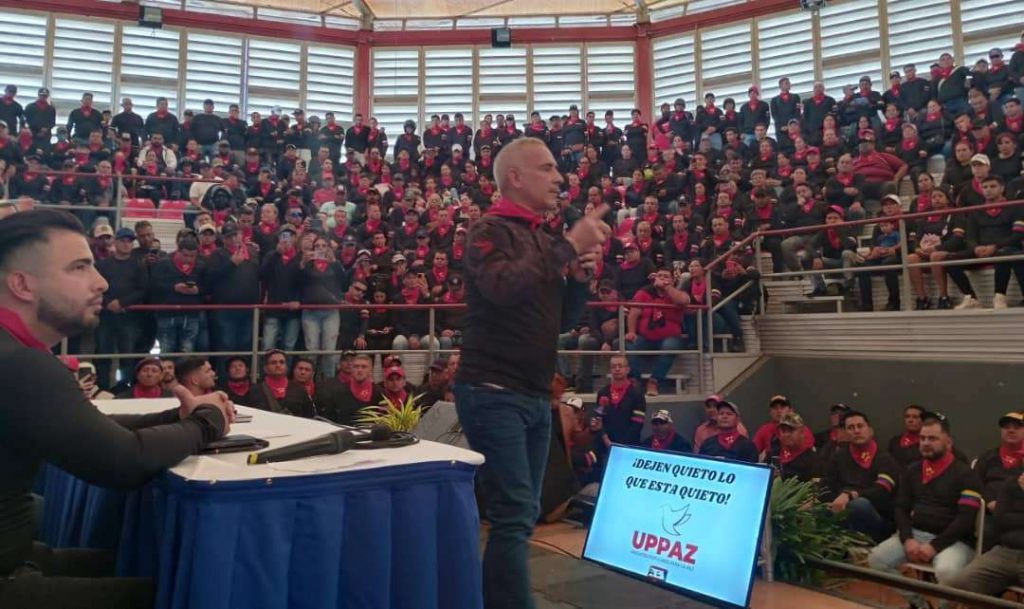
(833, 248)
(394, 388)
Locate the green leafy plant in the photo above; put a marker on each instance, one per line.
(803, 527)
(396, 415)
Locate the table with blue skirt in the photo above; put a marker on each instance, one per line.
(375, 529)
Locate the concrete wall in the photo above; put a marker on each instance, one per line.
(972, 395)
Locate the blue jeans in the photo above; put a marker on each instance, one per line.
(177, 332)
(117, 333)
(513, 432)
(956, 106)
(234, 330)
(272, 331)
(889, 555)
(690, 325)
(662, 363)
(320, 328)
(861, 516)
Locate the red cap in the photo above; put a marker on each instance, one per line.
(837, 209)
(813, 150)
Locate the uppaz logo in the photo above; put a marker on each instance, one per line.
(672, 520)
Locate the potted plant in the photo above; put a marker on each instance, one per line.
(396, 415)
(803, 527)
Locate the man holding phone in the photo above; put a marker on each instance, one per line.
(49, 289)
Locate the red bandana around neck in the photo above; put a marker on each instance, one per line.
(1010, 456)
(239, 387)
(657, 444)
(139, 391)
(505, 208)
(278, 385)
(788, 456)
(15, 326)
(618, 391)
(362, 391)
(908, 439)
(864, 456)
(728, 438)
(933, 468)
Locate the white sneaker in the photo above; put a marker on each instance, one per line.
(969, 302)
(999, 301)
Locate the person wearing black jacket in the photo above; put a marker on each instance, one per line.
(127, 121)
(84, 120)
(796, 456)
(233, 278)
(47, 266)
(162, 121)
(622, 404)
(206, 129)
(860, 480)
(341, 401)
(784, 107)
(936, 507)
(11, 112)
(119, 328)
(753, 113)
(729, 443)
(914, 92)
(998, 466)
(519, 301)
(238, 385)
(323, 280)
(664, 436)
(999, 568)
(177, 280)
(41, 114)
(906, 447)
(280, 274)
(949, 85)
(833, 248)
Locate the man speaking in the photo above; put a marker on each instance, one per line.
(519, 299)
(50, 289)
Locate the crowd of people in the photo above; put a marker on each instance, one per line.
(915, 496)
(295, 210)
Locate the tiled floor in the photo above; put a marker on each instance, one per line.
(562, 581)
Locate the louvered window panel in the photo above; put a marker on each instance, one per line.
(502, 85)
(448, 80)
(699, 6)
(330, 78)
(611, 80)
(674, 74)
(149, 68)
(725, 62)
(988, 24)
(557, 79)
(83, 54)
(919, 31)
(396, 89)
(274, 75)
(24, 52)
(785, 49)
(213, 71)
(849, 44)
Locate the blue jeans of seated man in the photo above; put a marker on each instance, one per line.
(889, 555)
(281, 332)
(585, 373)
(662, 363)
(848, 260)
(177, 332)
(690, 325)
(861, 516)
(234, 330)
(513, 432)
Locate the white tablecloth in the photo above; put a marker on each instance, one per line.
(282, 430)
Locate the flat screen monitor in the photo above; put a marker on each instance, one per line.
(684, 522)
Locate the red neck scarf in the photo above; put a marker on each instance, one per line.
(15, 326)
(362, 391)
(864, 456)
(239, 387)
(657, 444)
(846, 179)
(909, 144)
(618, 391)
(833, 237)
(278, 385)
(181, 265)
(908, 439)
(505, 208)
(397, 399)
(891, 124)
(933, 468)
(267, 228)
(728, 438)
(1010, 456)
(411, 295)
(787, 456)
(680, 240)
(1015, 124)
(206, 249)
(139, 391)
(698, 290)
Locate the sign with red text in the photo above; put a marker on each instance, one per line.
(685, 522)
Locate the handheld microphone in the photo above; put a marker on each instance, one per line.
(330, 444)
